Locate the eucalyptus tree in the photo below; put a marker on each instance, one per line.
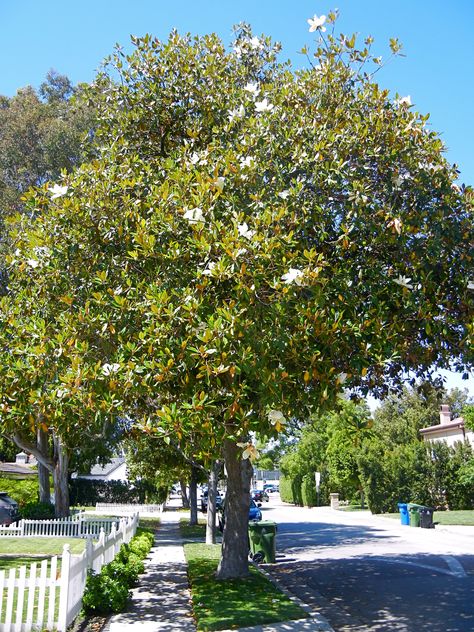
(251, 240)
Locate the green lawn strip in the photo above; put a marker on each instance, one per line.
(40, 546)
(458, 517)
(352, 508)
(150, 523)
(193, 532)
(231, 604)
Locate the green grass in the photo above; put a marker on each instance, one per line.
(231, 604)
(353, 508)
(461, 517)
(39, 546)
(193, 532)
(14, 562)
(149, 522)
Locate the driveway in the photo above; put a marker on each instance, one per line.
(371, 574)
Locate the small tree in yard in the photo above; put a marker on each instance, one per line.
(251, 241)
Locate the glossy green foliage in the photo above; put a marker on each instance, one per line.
(251, 238)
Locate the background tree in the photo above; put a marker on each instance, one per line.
(41, 135)
(161, 462)
(251, 240)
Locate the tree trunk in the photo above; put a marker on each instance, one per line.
(60, 478)
(211, 503)
(193, 517)
(43, 472)
(184, 495)
(235, 543)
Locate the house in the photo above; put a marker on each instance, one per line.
(448, 430)
(114, 470)
(25, 466)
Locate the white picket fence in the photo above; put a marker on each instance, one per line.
(120, 508)
(77, 526)
(48, 594)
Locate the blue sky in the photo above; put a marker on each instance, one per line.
(73, 37)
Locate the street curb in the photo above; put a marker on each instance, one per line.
(321, 621)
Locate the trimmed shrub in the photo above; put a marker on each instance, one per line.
(37, 511)
(125, 573)
(104, 594)
(107, 591)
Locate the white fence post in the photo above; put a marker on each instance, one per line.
(89, 551)
(102, 545)
(64, 589)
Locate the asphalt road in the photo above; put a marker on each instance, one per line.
(370, 574)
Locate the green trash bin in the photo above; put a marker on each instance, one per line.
(414, 512)
(262, 538)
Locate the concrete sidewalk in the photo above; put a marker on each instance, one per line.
(162, 601)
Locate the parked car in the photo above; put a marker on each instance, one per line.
(259, 495)
(204, 500)
(8, 509)
(270, 488)
(254, 513)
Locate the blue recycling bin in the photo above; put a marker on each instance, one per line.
(404, 515)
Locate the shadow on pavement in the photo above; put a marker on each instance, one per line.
(385, 593)
(323, 535)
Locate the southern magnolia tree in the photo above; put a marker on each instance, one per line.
(252, 240)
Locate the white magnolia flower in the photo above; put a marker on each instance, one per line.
(293, 276)
(252, 88)
(57, 191)
(246, 162)
(403, 281)
(237, 113)
(61, 393)
(241, 251)
(220, 182)
(238, 51)
(276, 417)
(255, 43)
(401, 178)
(404, 101)
(284, 194)
(210, 267)
(33, 263)
(194, 158)
(211, 351)
(396, 223)
(108, 369)
(341, 378)
(244, 231)
(316, 24)
(249, 451)
(263, 106)
(470, 285)
(194, 215)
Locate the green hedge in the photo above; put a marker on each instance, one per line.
(108, 591)
(308, 491)
(84, 491)
(290, 490)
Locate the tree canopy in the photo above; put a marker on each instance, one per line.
(251, 240)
